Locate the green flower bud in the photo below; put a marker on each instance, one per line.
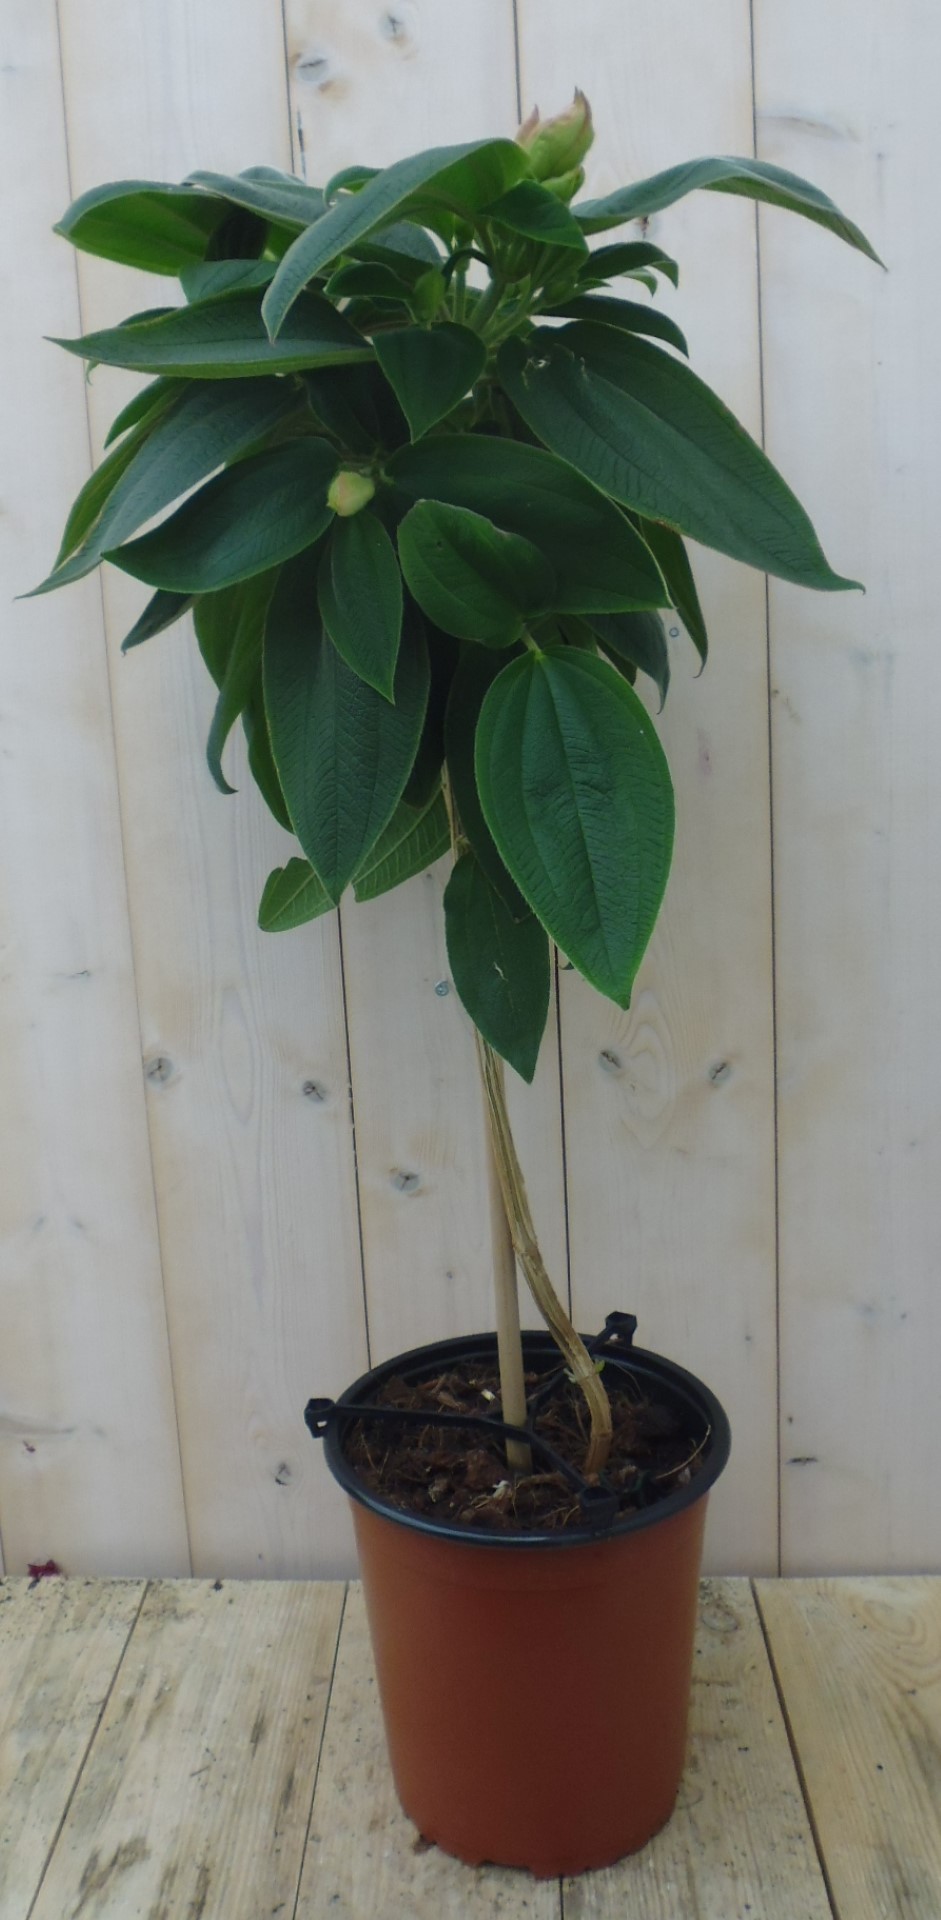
(559, 145)
(350, 492)
(428, 293)
(566, 185)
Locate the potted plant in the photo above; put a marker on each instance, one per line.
(437, 478)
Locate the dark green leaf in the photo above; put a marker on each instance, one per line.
(471, 578)
(671, 556)
(755, 179)
(600, 562)
(265, 190)
(650, 433)
(360, 593)
(89, 502)
(576, 792)
(210, 278)
(347, 179)
(500, 966)
(160, 612)
(631, 316)
(261, 759)
(411, 843)
(409, 248)
(463, 178)
(475, 675)
(224, 338)
(366, 278)
(430, 369)
(229, 627)
(151, 399)
(639, 639)
(203, 427)
(530, 209)
(443, 655)
(292, 896)
(252, 516)
(143, 223)
(358, 405)
(630, 256)
(343, 754)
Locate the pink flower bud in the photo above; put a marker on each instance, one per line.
(558, 145)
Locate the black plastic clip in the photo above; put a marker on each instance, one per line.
(619, 1330)
(318, 1415)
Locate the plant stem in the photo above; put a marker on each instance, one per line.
(506, 1300)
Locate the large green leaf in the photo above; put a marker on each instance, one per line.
(476, 672)
(411, 843)
(443, 655)
(358, 405)
(252, 516)
(161, 611)
(430, 369)
(600, 562)
(150, 400)
(473, 580)
(462, 179)
(643, 427)
(343, 753)
(531, 210)
(224, 338)
(500, 966)
(261, 759)
(292, 896)
(755, 179)
(631, 257)
(143, 223)
(360, 592)
(576, 792)
(631, 316)
(210, 278)
(88, 504)
(205, 426)
(266, 190)
(229, 627)
(639, 639)
(673, 561)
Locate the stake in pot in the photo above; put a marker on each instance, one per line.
(420, 462)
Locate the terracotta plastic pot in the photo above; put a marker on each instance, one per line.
(535, 1689)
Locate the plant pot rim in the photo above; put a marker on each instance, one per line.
(679, 1382)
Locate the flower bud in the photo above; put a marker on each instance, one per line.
(559, 145)
(566, 185)
(350, 492)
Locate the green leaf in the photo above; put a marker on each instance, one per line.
(229, 627)
(471, 578)
(402, 245)
(462, 178)
(143, 223)
(639, 639)
(500, 966)
(151, 399)
(203, 427)
(476, 672)
(162, 611)
(343, 754)
(266, 190)
(531, 210)
(292, 896)
(631, 316)
(430, 370)
(347, 179)
(210, 278)
(261, 759)
(88, 504)
(360, 591)
(576, 791)
(600, 562)
(443, 655)
(673, 561)
(629, 256)
(224, 339)
(755, 179)
(643, 427)
(252, 516)
(369, 279)
(411, 843)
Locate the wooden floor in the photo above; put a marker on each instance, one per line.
(187, 1750)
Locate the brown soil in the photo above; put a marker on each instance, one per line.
(460, 1475)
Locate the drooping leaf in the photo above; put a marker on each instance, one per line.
(143, 223)
(473, 579)
(252, 516)
(370, 278)
(229, 626)
(629, 256)
(150, 400)
(360, 591)
(343, 753)
(631, 316)
(461, 179)
(210, 278)
(202, 427)
(530, 209)
(88, 504)
(400, 243)
(641, 425)
(639, 639)
(476, 672)
(576, 792)
(430, 369)
(348, 179)
(266, 190)
(224, 339)
(162, 611)
(443, 655)
(500, 966)
(755, 179)
(600, 562)
(673, 561)
(413, 840)
(261, 759)
(292, 896)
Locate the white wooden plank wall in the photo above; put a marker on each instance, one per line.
(180, 1091)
